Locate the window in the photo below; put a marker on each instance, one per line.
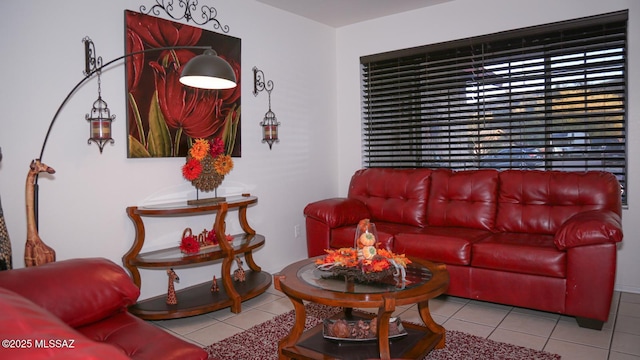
(550, 97)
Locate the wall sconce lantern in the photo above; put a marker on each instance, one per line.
(100, 119)
(270, 122)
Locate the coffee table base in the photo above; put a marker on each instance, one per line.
(418, 342)
(300, 283)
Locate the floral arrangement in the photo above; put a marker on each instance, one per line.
(348, 258)
(192, 244)
(207, 164)
(365, 261)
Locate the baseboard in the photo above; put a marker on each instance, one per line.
(627, 289)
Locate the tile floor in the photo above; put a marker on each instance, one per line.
(618, 340)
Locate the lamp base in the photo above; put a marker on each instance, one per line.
(213, 200)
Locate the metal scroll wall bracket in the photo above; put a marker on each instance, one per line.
(270, 122)
(207, 13)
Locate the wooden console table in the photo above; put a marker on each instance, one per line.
(198, 299)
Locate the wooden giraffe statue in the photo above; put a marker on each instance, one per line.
(36, 252)
(239, 274)
(214, 285)
(171, 292)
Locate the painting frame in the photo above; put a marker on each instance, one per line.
(165, 117)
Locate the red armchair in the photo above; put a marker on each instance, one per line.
(77, 309)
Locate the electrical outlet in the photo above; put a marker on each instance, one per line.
(296, 231)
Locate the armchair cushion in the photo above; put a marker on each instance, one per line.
(76, 297)
(25, 323)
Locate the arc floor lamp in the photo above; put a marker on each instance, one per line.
(205, 71)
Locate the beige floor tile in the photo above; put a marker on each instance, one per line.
(481, 313)
(629, 309)
(518, 338)
(528, 324)
(626, 343)
(413, 316)
(629, 297)
(454, 299)
(468, 327)
(259, 300)
(440, 320)
(445, 307)
(186, 325)
(277, 307)
(571, 332)
(214, 333)
(249, 318)
(620, 356)
(628, 324)
(573, 351)
(221, 315)
(273, 291)
(537, 313)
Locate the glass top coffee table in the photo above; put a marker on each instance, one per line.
(302, 281)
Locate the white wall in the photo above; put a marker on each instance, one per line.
(465, 18)
(82, 206)
(316, 97)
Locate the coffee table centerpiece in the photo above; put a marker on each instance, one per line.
(365, 262)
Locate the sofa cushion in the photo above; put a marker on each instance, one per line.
(345, 236)
(140, 340)
(38, 334)
(393, 195)
(535, 201)
(534, 254)
(99, 290)
(463, 199)
(448, 245)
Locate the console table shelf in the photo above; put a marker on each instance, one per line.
(198, 299)
(173, 257)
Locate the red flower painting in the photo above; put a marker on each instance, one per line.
(165, 117)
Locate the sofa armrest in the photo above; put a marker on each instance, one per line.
(589, 228)
(337, 212)
(78, 291)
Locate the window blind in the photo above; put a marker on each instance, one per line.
(550, 97)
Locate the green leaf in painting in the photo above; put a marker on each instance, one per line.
(136, 149)
(159, 138)
(230, 129)
(138, 120)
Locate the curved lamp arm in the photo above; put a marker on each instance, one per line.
(89, 73)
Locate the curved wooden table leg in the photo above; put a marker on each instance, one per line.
(227, 283)
(425, 314)
(298, 326)
(384, 314)
(248, 258)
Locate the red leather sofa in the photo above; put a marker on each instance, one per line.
(77, 309)
(544, 240)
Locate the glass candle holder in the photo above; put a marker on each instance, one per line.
(365, 239)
